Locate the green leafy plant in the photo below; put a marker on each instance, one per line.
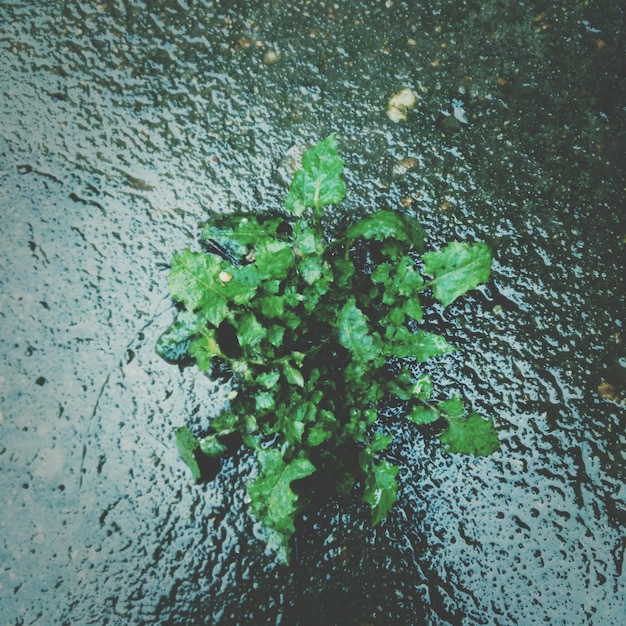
(315, 333)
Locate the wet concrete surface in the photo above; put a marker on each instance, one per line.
(124, 124)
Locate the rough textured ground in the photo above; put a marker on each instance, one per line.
(125, 123)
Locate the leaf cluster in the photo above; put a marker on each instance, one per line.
(308, 327)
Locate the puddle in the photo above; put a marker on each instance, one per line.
(124, 124)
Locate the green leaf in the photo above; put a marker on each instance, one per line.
(314, 292)
(423, 387)
(388, 225)
(204, 349)
(355, 335)
(322, 430)
(317, 435)
(224, 423)
(272, 499)
(268, 379)
(293, 375)
(243, 285)
(192, 280)
(380, 488)
(393, 249)
(292, 429)
(452, 409)
(272, 306)
(402, 385)
(250, 425)
(356, 427)
(173, 344)
(421, 415)
(457, 269)
(408, 281)
(421, 345)
(250, 330)
(264, 402)
(212, 446)
(311, 269)
(413, 308)
(215, 312)
(319, 181)
(234, 236)
(473, 435)
(242, 369)
(187, 443)
(275, 335)
(396, 317)
(381, 273)
(308, 242)
(379, 442)
(291, 419)
(274, 259)
(202, 282)
(343, 271)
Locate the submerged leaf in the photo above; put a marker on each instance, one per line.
(173, 344)
(457, 269)
(473, 435)
(187, 444)
(380, 488)
(272, 499)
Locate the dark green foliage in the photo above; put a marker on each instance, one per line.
(307, 330)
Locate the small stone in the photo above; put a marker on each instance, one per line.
(402, 166)
(270, 56)
(400, 103)
(609, 392)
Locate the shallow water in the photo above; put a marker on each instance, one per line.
(124, 124)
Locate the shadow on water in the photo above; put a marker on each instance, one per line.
(126, 123)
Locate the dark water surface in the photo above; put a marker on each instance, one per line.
(124, 123)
